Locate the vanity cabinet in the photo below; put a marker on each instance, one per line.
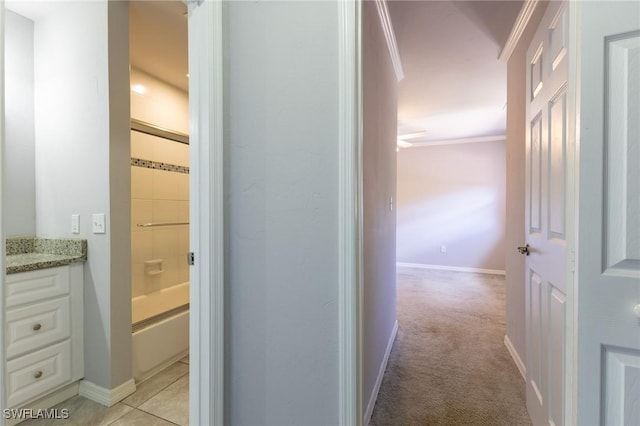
(44, 332)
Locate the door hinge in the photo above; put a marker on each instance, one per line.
(191, 258)
(573, 261)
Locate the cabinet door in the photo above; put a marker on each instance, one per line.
(32, 286)
(33, 375)
(37, 325)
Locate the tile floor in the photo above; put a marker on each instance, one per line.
(160, 400)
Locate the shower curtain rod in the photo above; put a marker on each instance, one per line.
(148, 225)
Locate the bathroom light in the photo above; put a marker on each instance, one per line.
(404, 144)
(139, 89)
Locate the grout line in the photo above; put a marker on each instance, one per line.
(156, 416)
(123, 414)
(160, 390)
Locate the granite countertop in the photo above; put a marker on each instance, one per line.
(30, 253)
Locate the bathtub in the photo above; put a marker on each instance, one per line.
(160, 334)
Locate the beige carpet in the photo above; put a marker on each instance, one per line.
(449, 365)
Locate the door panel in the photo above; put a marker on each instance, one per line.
(622, 146)
(535, 160)
(535, 356)
(557, 318)
(557, 164)
(622, 388)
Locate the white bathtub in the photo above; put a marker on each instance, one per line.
(157, 344)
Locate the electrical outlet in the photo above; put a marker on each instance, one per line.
(443, 249)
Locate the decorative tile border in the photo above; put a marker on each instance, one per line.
(139, 162)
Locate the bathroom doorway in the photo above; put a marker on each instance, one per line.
(88, 163)
(159, 83)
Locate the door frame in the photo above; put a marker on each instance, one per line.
(573, 173)
(206, 116)
(206, 37)
(350, 219)
(3, 360)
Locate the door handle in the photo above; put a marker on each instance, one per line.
(524, 249)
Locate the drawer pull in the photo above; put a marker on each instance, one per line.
(37, 327)
(37, 374)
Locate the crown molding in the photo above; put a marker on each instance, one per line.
(477, 139)
(519, 26)
(389, 35)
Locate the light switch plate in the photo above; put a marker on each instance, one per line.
(98, 221)
(75, 223)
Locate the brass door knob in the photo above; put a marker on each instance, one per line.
(524, 250)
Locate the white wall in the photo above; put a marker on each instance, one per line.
(19, 202)
(515, 163)
(379, 228)
(281, 218)
(452, 195)
(82, 164)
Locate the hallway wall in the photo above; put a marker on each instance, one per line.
(453, 196)
(380, 88)
(281, 213)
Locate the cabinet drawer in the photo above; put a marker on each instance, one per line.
(32, 286)
(34, 374)
(37, 325)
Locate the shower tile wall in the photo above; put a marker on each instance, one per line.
(159, 196)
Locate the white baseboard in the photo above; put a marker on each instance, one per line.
(383, 367)
(516, 358)
(452, 268)
(104, 396)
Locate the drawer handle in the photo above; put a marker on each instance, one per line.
(37, 327)
(37, 374)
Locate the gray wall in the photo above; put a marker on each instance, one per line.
(515, 233)
(452, 195)
(82, 164)
(19, 202)
(379, 159)
(281, 218)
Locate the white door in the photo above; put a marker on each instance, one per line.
(546, 265)
(608, 252)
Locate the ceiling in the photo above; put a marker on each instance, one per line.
(157, 30)
(158, 40)
(454, 86)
